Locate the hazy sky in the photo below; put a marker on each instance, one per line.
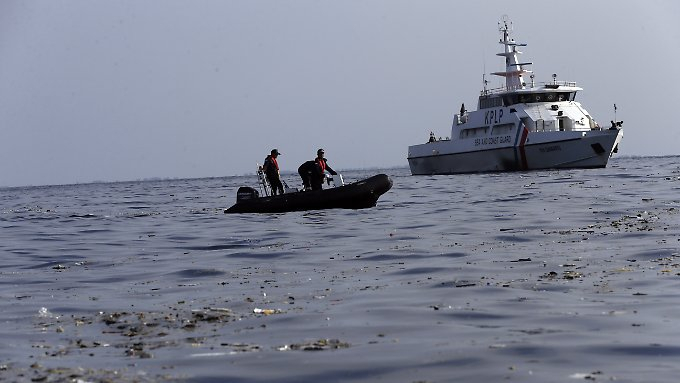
(122, 90)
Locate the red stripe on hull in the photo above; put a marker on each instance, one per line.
(522, 153)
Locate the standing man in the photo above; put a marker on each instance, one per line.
(319, 176)
(271, 171)
(312, 172)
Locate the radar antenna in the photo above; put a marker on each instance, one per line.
(505, 25)
(514, 69)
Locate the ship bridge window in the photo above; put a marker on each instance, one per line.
(562, 96)
(528, 98)
(510, 99)
(486, 102)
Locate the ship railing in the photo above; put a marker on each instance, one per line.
(486, 92)
(504, 89)
(556, 83)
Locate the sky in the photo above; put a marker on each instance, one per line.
(124, 89)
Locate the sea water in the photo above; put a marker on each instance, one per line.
(542, 276)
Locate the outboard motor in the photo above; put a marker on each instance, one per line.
(246, 193)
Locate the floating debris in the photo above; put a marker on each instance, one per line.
(317, 345)
(45, 313)
(267, 311)
(461, 283)
(572, 275)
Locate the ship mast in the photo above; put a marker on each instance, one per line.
(514, 70)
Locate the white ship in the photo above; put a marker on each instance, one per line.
(519, 127)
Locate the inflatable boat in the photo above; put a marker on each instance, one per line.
(357, 195)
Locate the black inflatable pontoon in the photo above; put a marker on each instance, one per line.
(357, 195)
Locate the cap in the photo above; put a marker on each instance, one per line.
(276, 151)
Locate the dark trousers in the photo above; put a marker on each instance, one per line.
(317, 181)
(316, 184)
(276, 185)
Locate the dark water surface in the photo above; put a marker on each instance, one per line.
(548, 276)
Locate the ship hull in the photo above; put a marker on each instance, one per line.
(540, 151)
